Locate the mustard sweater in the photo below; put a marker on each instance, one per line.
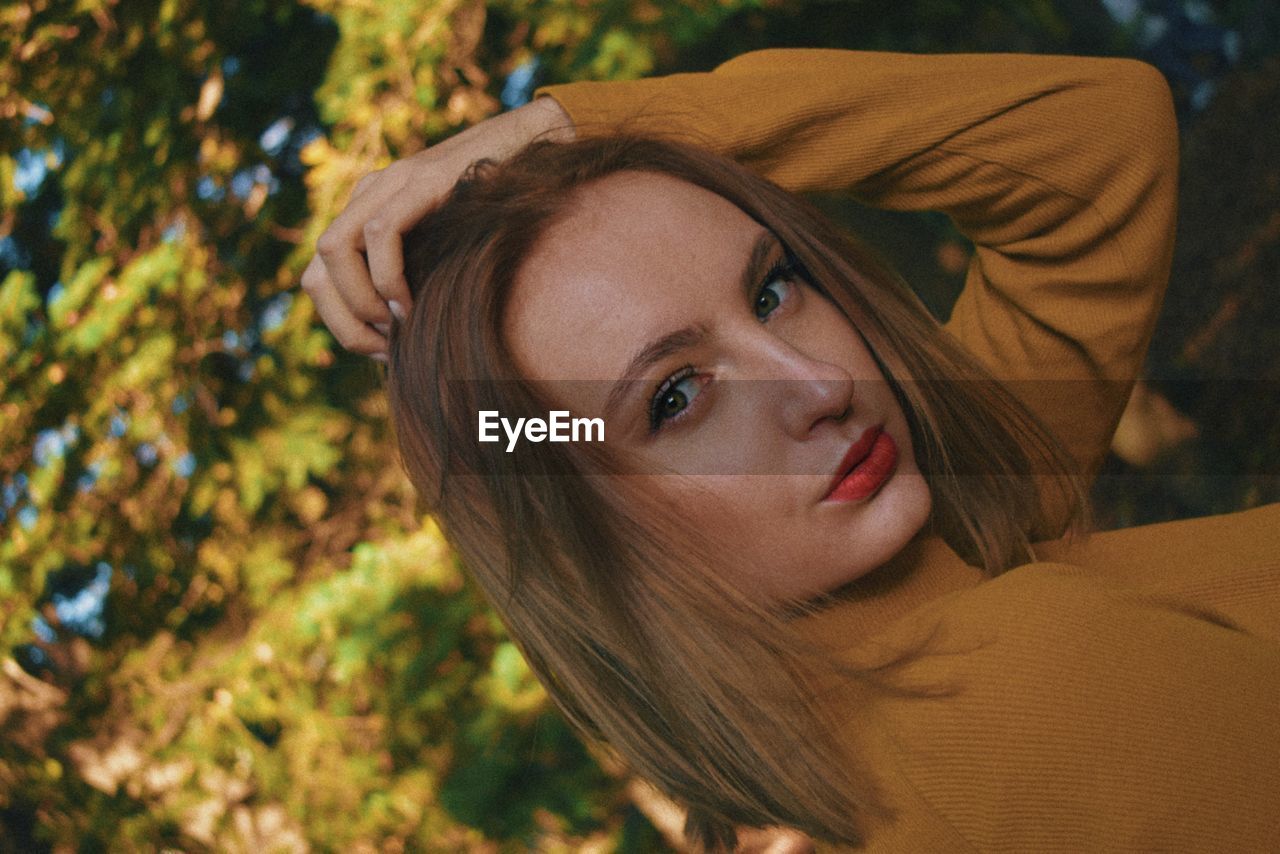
(1120, 694)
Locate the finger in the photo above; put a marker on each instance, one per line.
(346, 270)
(384, 246)
(351, 332)
(365, 182)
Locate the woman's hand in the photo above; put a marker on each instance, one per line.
(356, 278)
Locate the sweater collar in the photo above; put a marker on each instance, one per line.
(925, 570)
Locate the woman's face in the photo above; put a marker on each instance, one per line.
(746, 399)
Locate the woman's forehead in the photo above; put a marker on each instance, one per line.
(639, 218)
(637, 255)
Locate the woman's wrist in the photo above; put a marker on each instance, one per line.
(501, 136)
(549, 119)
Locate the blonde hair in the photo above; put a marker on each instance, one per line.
(704, 692)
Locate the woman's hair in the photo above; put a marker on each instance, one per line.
(619, 609)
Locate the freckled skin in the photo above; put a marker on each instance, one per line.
(641, 255)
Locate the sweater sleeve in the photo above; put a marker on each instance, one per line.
(1061, 170)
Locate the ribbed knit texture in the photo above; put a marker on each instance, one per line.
(1122, 694)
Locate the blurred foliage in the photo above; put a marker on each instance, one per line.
(224, 625)
(286, 657)
(1216, 352)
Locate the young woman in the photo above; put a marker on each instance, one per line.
(813, 577)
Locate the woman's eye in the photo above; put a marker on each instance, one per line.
(674, 397)
(771, 296)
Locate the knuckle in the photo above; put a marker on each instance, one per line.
(325, 245)
(329, 243)
(310, 281)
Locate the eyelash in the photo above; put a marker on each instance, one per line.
(786, 269)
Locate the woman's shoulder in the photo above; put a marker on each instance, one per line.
(1244, 537)
(1226, 564)
(1214, 570)
(1049, 711)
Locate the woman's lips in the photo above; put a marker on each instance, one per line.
(867, 465)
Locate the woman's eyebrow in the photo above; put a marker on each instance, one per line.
(688, 336)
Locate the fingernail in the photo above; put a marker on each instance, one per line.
(381, 357)
(398, 310)
(384, 328)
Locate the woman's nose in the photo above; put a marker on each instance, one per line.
(800, 389)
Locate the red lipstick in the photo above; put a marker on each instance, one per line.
(865, 467)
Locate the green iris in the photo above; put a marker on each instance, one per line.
(673, 403)
(769, 298)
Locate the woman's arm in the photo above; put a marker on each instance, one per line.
(1062, 170)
